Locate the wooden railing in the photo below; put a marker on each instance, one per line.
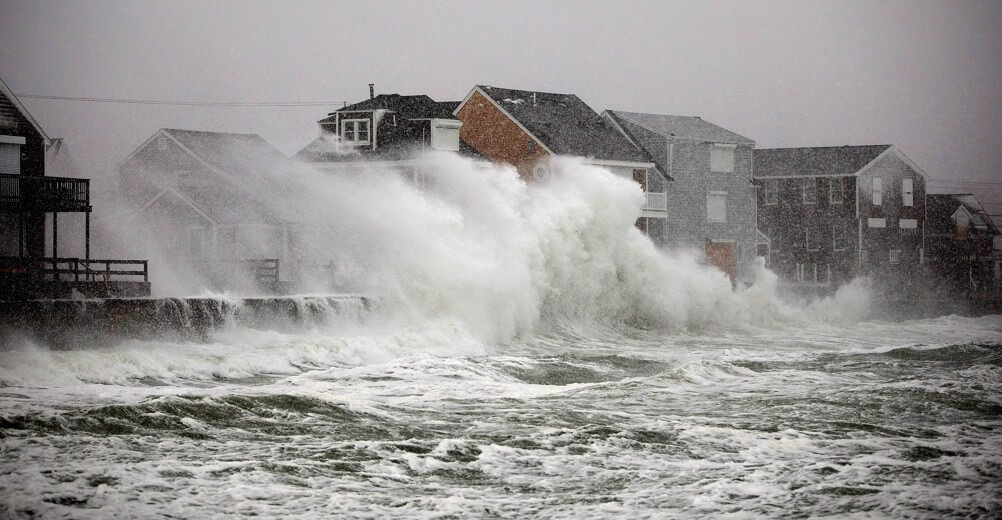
(263, 270)
(24, 193)
(81, 270)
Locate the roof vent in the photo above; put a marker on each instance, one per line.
(533, 99)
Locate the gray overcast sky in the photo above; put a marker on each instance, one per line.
(922, 75)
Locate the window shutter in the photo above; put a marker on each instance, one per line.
(10, 158)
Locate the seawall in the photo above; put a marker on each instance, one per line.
(60, 323)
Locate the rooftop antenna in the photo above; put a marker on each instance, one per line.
(372, 90)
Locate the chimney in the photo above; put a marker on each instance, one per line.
(372, 90)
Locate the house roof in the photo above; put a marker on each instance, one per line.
(410, 107)
(815, 161)
(688, 127)
(940, 208)
(229, 152)
(9, 94)
(220, 207)
(565, 124)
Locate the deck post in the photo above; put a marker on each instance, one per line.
(87, 237)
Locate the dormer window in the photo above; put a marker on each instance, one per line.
(355, 131)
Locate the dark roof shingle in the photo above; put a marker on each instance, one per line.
(814, 161)
(565, 124)
(690, 127)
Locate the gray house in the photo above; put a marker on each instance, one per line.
(711, 198)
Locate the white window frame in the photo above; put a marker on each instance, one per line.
(907, 192)
(876, 222)
(355, 124)
(877, 188)
(771, 192)
(813, 182)
(709, 216)
(722, 163)
(807, 241)
(894, 256)
(840, 182)
(162, 143)
(844, 226)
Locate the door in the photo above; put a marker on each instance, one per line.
(722, 256)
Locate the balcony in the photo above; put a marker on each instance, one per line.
(49, 194)
(656, 202)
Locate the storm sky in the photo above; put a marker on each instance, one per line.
(922, 75)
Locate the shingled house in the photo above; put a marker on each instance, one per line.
(194, 195)
(525, 129)
(963, 246)
(384, 131)
(835, 213)
(711, 201)
(30, 202)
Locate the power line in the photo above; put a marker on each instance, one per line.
(980, 183)
(186, 103)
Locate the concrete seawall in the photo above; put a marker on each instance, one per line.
(63, 323)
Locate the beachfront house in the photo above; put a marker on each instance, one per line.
(195, 197)
(837, 212)
(385, 132)
(30, 204)
(710, 194)
(526, 128)
(962, 246)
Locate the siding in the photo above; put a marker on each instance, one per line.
(494, 135)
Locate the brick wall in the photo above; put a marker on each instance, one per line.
(492, 133)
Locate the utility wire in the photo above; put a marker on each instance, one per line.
(186, 103)
(948, 181)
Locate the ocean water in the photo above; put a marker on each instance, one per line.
(532, 356)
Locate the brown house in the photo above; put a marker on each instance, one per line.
(525, 129)
(835, 213)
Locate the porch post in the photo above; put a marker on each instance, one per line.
(55, 234)
(87, 238)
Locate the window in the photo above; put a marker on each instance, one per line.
(908, 226)
(355, 131)
(810, 189)
(772, 192)
(894, 256)
(876, 223)
(162, 144)
(10, 158)
(836, 193)
(878, 191)
(907, 195)
(840, 234)
(811, 240)
(716, 206)
(722, 158)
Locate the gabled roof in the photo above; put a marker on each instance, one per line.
(815, 161)
(686, 127)
(941, 207)
(410, 107)
(564, 124)
(226, 207)
(228, 152)
(9, 94)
